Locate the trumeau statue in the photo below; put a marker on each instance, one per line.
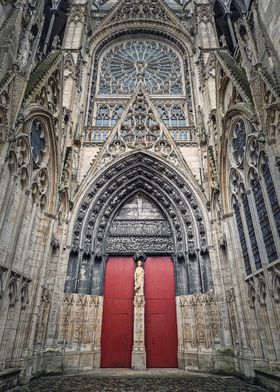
(139, 280)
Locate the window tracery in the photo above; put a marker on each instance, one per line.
(247, 154)
(163, 112)
(177, 117)
(271, 192)
(29, 157)
(239, 141)
(38, 142)
(103, 116)
(156, 64)
(118, 111)
(251, 230)
(242, 237)
(263, 218)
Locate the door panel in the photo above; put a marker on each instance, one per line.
(117, 325)
(160, 313)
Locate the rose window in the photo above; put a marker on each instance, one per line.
(157, 65)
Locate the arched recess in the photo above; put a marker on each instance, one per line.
(238, 111)
(139, 174)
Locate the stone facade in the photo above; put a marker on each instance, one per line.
(137, 128)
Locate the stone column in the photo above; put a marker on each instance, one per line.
(139, 351)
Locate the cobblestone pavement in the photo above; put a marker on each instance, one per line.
(93, 383)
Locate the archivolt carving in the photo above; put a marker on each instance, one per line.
(139, 173)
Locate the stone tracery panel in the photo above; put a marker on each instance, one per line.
(29, 157)
(253, 189)
(156, 64)
(141, 34)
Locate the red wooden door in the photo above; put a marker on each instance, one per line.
(160, 313)
(117, 325)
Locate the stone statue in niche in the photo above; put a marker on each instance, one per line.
(139, 280)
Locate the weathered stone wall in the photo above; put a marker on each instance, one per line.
(270, 14)
(78, 346)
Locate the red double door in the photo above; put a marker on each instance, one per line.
(160, 313)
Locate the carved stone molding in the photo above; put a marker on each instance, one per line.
(139, 173)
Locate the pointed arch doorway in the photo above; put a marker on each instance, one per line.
(139, 225)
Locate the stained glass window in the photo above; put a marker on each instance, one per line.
(38, 142)
(239, 141)
(263, 218)
(251, 231)
(272, 194)
(156, 64)
(242, 240)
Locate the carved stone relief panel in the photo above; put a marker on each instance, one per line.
(80, 322)
(140, 226)
(200, 327)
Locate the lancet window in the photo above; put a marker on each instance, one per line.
(117, 112)
(271, 192)
(239, 140)
(251, 230)
(103, 116)
(242, 238)
(255, 197)
(177, 117)
(263, 219)
(38, 142)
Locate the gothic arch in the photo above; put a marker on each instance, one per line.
(126, 32)
(142, 173)
(52, 165)
(238, 111)
(239, 7)
(170, 27)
